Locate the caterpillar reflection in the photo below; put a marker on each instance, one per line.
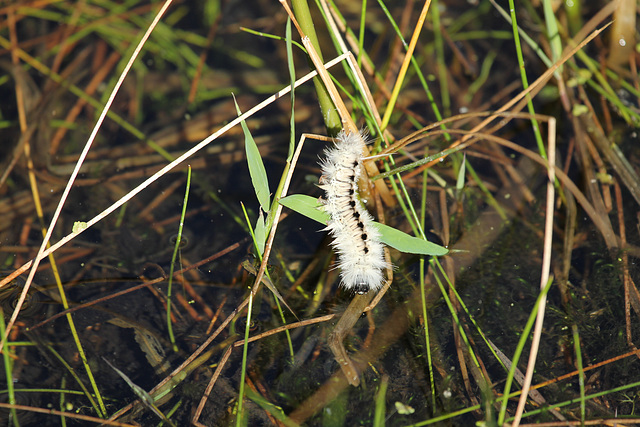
(356, 242)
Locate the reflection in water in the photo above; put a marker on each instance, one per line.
(10, 295)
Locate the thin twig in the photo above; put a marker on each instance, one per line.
(546, 267)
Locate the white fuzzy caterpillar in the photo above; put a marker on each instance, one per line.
(355, 240)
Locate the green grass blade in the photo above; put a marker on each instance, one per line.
(381, 400)
(241, 416)
(276, 411)
(516, 356)
(427, 339)
(142, 394)
(100, 408)
(292, 82)
(176, 249)
(363, 14)
(454, 312)
(443, 72)
(75, 377)
(63, 398)
(525, 81)
(578, 350)
(8, 372)
(552, 32)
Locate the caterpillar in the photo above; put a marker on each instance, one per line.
(355, 240)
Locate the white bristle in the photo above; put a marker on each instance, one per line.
(355, 240)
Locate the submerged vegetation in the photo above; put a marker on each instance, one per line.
(157, 182)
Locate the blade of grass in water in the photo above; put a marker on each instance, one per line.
(8, 373)
(578, 352)
(552, 32)
(176, 248)
(427, 340)
(423, 297)
(241, 417)
(363, 10)
(98, 406)
(525, 80)
(379, 417)
(75, 377)
(276, 411)
(292, 82)
(141, 393)
(63, 397)
(471, 318)
(453, 312)
(443, 73)
(521, 343)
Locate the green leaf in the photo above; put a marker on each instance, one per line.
(271, 408)
(405, 243)
(261, 233)
(461, 174)
(309, 207)
(256, 167)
